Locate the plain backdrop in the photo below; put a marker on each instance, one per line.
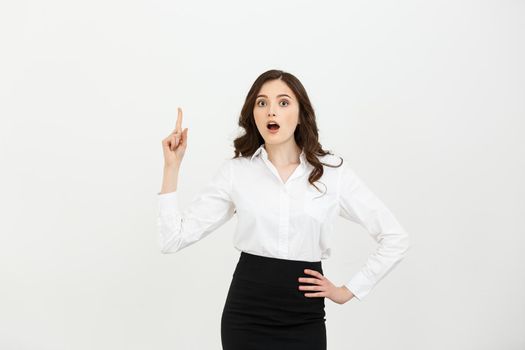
(425, 100)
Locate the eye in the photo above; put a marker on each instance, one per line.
(286, 103)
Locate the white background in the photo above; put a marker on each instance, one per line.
(425, 100)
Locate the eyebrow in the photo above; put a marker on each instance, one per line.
(277, 95)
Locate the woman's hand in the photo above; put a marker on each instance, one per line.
(324, 288)
(175, 144)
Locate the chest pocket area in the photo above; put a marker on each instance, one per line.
(317, 205)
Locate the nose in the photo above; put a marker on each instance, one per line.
(270, 110)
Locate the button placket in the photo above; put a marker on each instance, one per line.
(284, 221)
(284, 203)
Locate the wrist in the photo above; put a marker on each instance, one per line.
(348, 292)
(171, 168)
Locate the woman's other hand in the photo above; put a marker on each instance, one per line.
(320, 286)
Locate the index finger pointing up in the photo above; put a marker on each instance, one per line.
(178, 126)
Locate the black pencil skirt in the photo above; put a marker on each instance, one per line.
(265, 310)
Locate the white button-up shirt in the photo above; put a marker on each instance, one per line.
(287, 220)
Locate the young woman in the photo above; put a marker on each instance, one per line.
(286, 191)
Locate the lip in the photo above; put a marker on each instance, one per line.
(273, 131)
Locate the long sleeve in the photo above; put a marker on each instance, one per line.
(359, 204)
(211, 208)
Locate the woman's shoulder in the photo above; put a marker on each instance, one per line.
(236, 163)
(238, 160)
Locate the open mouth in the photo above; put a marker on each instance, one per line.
(272, 126)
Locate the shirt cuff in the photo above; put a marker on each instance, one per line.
(359, 285)
(168, 202)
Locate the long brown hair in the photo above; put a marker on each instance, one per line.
(306, 133)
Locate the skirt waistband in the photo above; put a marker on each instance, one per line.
(274, 271)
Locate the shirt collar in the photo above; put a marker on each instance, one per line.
(262, 151)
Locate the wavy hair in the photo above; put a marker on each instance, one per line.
(306, 133)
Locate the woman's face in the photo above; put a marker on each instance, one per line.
(276, 102)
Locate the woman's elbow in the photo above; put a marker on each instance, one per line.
(405, 244)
